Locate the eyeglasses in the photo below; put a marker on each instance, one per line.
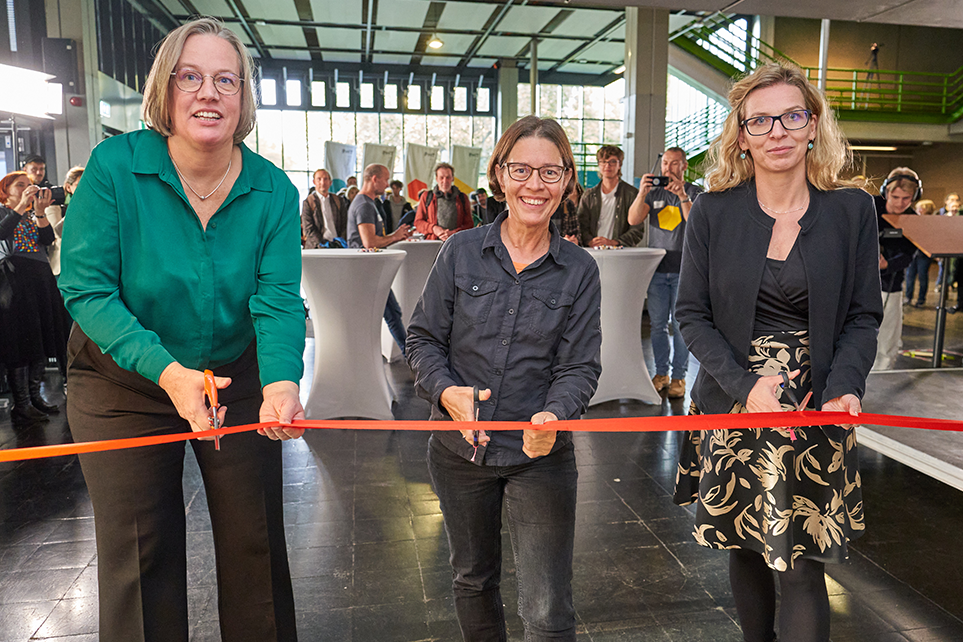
(548, 173)
(791, 120)
(611, 161)
(190, 81)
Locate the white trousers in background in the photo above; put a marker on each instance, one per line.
(890, 337)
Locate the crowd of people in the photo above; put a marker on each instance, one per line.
(779, 276)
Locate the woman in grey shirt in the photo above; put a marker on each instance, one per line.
(778, 298)
(511, 311)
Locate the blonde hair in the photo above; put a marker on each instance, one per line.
(926, 205)
(157, 90)
(828, 157)
(905, 184)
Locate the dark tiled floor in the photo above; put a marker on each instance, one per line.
(369, 555)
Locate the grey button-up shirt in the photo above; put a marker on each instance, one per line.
(533, 338)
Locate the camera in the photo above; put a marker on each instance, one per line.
(660, 181)
(59, 195)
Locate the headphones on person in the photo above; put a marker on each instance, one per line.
(903, 177)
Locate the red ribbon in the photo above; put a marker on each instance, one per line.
(621, 424)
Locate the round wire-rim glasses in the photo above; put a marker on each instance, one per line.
(190, 81)
(522, 171)
(790, 121)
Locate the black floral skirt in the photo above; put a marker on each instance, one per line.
(757, 489)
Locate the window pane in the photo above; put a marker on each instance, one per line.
(342, 128)
(461, 99)
(295, 133)
(437, 98)
(594, 102)
(391, 135)
(269, 131)
(614, 93)
(414, 97)
(483, 99)
(251, 140)
(367, 95)
(571, 102)
(292, 93)
(461, 130)
(572, 130)
(301, 180)
(415, 129)
(391, 96)
(438, 131)
(613, 132)
(483, 135)
(548, 101)
(368, 131)
(524, 99)
(269, 92)
(319, 131)
(342, 93)
(592, 132)
(318, 98)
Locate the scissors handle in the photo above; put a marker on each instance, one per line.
(474, 433)
(210, 390)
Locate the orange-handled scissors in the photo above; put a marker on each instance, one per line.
(210, 389)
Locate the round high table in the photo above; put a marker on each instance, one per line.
(347, 291)
(408, 285)
(625, 274)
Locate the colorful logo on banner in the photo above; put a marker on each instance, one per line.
(341, 160)
(419, 163)
(466, 160)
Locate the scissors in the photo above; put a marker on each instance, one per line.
(475, 432)
(792, 398)
(210, 390)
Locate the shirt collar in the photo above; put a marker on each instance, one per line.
(493, 238)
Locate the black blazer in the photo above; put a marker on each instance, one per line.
(726, 239)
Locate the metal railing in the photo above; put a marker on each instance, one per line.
(695, 133)
(725, 44)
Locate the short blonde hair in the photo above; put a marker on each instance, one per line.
(157, 90)
(828, 157)
(896, 179)
(926, 205)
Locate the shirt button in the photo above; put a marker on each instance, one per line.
(516, 281)
(504, 342)
(553, 301)
(213, 225)
(498, 372)
(474, 288)
(511, 310)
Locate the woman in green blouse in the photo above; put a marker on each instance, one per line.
(182, 254)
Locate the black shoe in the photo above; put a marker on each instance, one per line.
(907, 302)
(27, 415)
(44, 407)
(35, 379)
(953, 309)
(919, 304)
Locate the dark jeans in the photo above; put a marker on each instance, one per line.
(918, 269)
(393, 318)
(539, 498)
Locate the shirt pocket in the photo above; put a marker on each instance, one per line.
(473, 299)
(549, 312)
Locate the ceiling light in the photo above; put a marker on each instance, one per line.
(435, 42)
(872, 148)
(619, 70)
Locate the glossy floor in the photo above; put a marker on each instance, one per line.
(369, 553)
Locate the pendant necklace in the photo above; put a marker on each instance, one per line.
(766, 207)
(204, 198)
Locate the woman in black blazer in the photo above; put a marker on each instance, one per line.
(779, 285)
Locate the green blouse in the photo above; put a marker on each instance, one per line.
(150, 286)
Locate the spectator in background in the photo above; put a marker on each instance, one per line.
(920, 267)
(56, 214)
(445, 209)
(901, 187)
(36, 168)
(351, 180)
(603, 210)
(565, 216)
(951, 207)
(396, 207)
(324, 216)
(485, 210)
(366, 230)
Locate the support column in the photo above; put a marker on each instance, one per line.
(646, 83)
(823, 52)
(507, 104)
(533, 76)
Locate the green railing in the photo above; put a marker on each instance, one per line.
(857, 94)
(695, 133)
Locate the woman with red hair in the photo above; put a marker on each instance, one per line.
(33, 321)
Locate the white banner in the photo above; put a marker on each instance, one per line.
(340, 160)
(465, 160)
(419, 163)
(380, 154)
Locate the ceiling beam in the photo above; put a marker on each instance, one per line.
(599, 37)
(306, 15)
(427, 54)
(496, 17)
(432, 16)
(240, 13)
(552, 25)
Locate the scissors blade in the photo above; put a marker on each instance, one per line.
(475, 432)
(210, 390)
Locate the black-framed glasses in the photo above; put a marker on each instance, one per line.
(548, 173)
(190, 81)
(791, 120)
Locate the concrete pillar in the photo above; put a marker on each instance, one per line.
(823, 52)
(533, 76)
(646, 83)
(507, 104)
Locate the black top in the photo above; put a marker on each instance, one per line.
(727, 238)
(898, 250)
(533, 338)
(783, 303)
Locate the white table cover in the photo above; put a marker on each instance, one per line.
(347, 291)
(408, 285)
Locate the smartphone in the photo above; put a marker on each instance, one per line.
(660, 181)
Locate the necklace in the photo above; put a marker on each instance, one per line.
(204, 198)
(766, 207)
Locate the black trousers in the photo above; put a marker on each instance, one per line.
(139, 514)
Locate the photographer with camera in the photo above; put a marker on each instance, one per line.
(669, 198)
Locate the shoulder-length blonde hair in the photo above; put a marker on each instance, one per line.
(527, 127)
(157, 91)
(830, 153)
